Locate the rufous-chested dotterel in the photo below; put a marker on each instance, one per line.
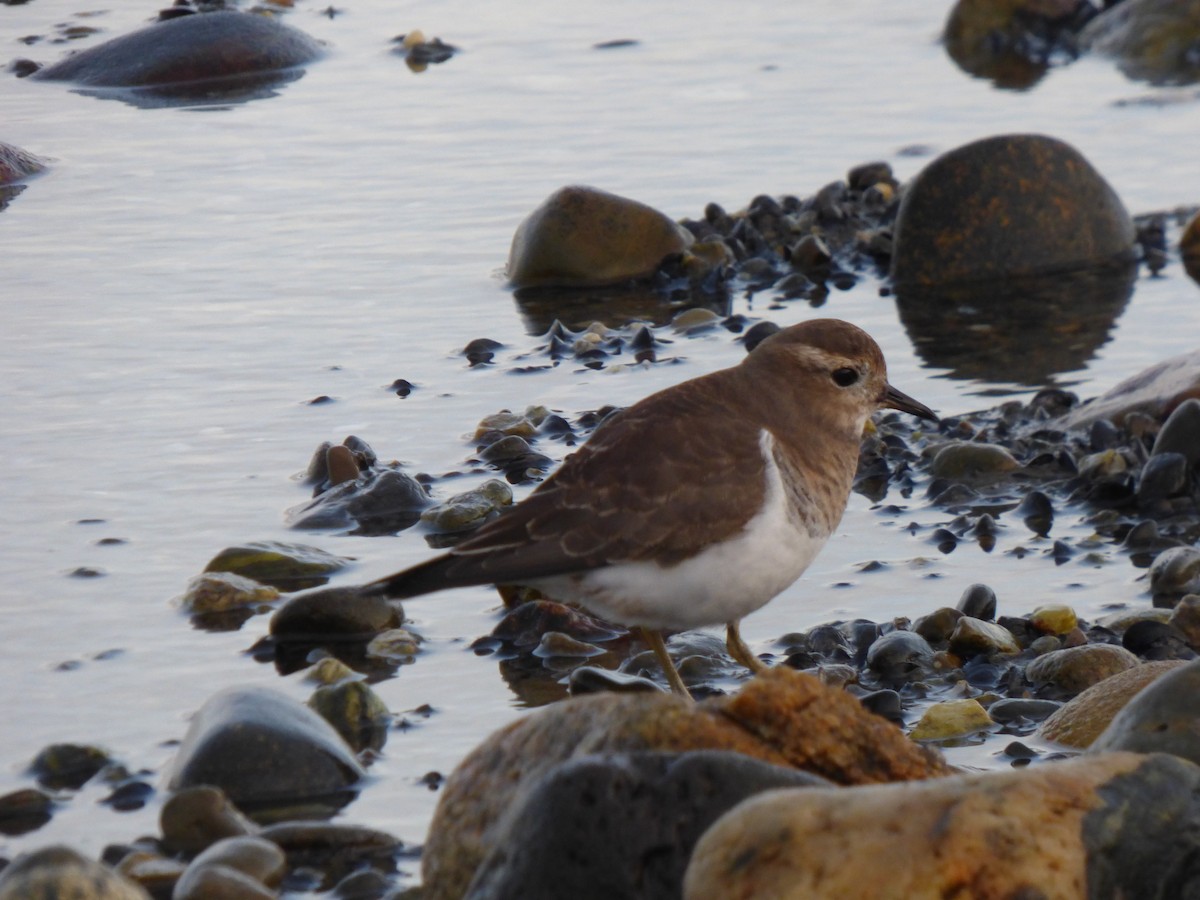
(698, 504)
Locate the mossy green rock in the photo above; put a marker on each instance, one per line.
(470, 508)
(289, 567)
(583, 236)
(1012, 205)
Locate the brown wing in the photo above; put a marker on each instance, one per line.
(663, 479)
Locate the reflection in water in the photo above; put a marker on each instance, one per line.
(213, 93)
(613, 306)
(1023, 330)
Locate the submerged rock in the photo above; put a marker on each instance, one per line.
(1005, 206)
(584, 236)
(1105, 826)
(289, 567)
(187, 49)
(1150, 40)
(17, 165)
(266, 752)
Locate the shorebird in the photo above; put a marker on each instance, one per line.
(697, 505)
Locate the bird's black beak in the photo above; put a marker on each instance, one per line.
(895, 399)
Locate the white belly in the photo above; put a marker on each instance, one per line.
(725, 582)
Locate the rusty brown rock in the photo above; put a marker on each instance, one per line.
(1150, 40)
(584, 236)
(1100, 826)
(782, 717)
(1189, 247)
(1005, 206)
(1073, 670)
(1082, 719)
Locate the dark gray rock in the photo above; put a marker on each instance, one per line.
(619, 826)
(266, 751)
(188, 49)
(979, 602)
(900, 656)
(1181, 432)
(380, 502)
(334, 614)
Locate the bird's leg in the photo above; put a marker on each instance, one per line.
(655, 640)
(738, 649)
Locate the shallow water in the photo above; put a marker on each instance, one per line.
(182, 282)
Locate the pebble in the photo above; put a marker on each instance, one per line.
(939, 624)
(973, 637)
(334, 614)
(24, 810)
(237, 868)
(222, 591)
(968, 461)
(1175, 572)
(468, 509)
(1186, 617)
(1010, 710)
(194, 818)
(59, 872)
(1181, 432)
(900, 655)
(1053, 619)
(979, 602)
(1164, 475)
(68, 766)
(1162, 718)
(1073, 670)
(951, 719)
(395, 644)
(288, 567)
(1156, 640)
(355, 711)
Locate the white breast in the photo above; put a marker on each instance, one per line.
(723, 583)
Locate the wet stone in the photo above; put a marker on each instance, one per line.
(556, 645)
(525, 626)
(1037, 512)
(194, 818)
(235, 867)
(395, 645)
(937, 627)
(1186, 617)
(963, 461)
(1175, 572)
(266, 752)
(1181, 432)
(468, 509)
(1156, 640)
(289, 567)
(376, 502)
(481, 351)
(594, 680)
(1053, 619)
(886, 704)
(1016, 709)
(223, 591)
(1162, 718)
(355, 711)
(68, 766)
(621, 825)
(900, 655)
(60, 872)
(334, 850)
(24, 810)
(1072, 670)
(973, 637)
(951, 719)
(1164, 475)
(335, 614)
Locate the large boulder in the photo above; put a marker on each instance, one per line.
(188, 49)
(1007, 206)
(782, 717)
(582, 236)
(1111, 825)
(1155, 391)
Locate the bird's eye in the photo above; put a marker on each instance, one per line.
(845, 377)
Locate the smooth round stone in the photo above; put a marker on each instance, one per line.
(992, 38)
(1037, 512)
(979, 602)
(195, 818)
(1156, 640)
(218, 882)
(937, 627)
(24, 810)
(1175, 571)
(507, 422)
(329, 670)
(1154, 391)
(1186, 617)
(1181, 432)
(468, 508)
(222, 591)
(396, 644)
(289, 567)
(381, 501)
(17, 165)
(1189, 247)
(951, 719)
(188, 49)
(692, 321)
(1104, 464)
(1164, 475)
(335, 614)
(1053, 618)
(234, 868)
(357, 713)
(1008, 206)
(595, 680)
(156, 874)
(975, 637)
(900, 655)
(1119, 622)
(1150, 40)
(1083, 718)
(1162, 718)
(58, 872)
(583, 236)
(1073, 670)
(556, 645)
(620, 825)
(967, 461)
(264, 750)
(1017, 709)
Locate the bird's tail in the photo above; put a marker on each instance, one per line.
(424, 578)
